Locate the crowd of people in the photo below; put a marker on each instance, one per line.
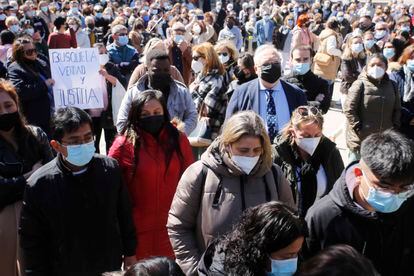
(215, 160)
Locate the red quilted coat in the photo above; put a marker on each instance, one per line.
(151, 188)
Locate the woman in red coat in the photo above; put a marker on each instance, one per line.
(152, 154)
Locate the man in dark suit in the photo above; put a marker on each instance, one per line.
(269, 96)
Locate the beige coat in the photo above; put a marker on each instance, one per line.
(329, 71)
(370, 107)
(194, 222)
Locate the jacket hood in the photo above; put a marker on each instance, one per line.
(326, 33)
(221, 163)
(341, 196)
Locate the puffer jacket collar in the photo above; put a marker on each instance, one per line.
(221, 163)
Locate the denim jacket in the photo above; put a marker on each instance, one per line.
(179, 104)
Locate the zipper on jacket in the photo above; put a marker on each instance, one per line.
(243, 199)
(382, 112)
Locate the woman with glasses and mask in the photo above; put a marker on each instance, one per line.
(207, 90)
(23, 149)
(228, 55)
(31, 77)
(152, 155)
(235, 173)
(266, 241)
(309, 160)
(372, 105)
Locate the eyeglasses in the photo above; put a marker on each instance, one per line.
(78, 142)
(307, 110)
(403, 191)
(223, 54)
(30, 52)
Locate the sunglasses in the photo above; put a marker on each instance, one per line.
(223, 54)
(307, 110)
(196, 58)
(30, 52)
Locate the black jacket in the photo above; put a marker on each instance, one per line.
(14, 164)
(386, 239)
(313, 85)
(76, 224)
(331, 162)
(32, 91)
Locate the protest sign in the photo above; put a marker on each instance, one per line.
(77, 79)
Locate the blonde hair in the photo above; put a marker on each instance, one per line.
(347, 55)
(297, 121)
(206, 51)
(229, 46)
(246, 123)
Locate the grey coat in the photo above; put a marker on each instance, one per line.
(371, 106)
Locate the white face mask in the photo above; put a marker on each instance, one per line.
(223, 59)
(103, 59)
(245, 163)
(197, 66)
(357, 48)
(308, 144)
(376, 72)
(197, 29)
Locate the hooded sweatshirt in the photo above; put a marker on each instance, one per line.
(386, 239)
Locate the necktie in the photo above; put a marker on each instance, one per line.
(271, 116)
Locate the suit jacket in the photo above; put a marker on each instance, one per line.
(246, 97)
(261, 31)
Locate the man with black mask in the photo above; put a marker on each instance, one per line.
(179, 102)
(269, 96)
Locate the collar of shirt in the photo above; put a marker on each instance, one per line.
(274, 88)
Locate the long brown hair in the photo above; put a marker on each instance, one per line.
(26, 140)
(206, 51)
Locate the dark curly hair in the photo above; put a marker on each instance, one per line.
(262, 230)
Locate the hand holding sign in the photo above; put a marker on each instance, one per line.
(49, 82)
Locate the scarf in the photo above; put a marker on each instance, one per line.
(408, 85)
(307, 170)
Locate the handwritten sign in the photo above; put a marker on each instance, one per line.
(77, 79)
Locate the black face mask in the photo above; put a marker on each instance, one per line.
(91, 26)
(161, 81)
(230, 25)
(152, 124)
(271, 72)
(241, 75)
(8, 120)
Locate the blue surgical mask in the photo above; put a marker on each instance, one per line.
(80, 155)
(388, 52)
(301, 68)
(405, 29)
(284, 267)
(98, 15)
(369, 43)
(385, 202)
(123, 40)
(410, 64)
(146, 18)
